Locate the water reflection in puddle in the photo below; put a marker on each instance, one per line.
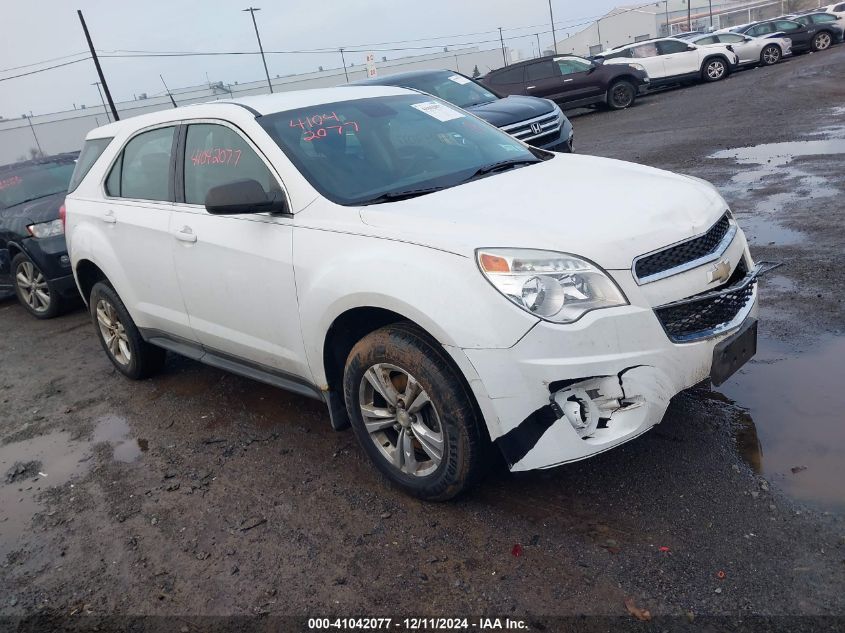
(59, 459)
(797, 405)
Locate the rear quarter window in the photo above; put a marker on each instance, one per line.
(91, 151)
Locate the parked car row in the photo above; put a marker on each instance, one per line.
(616, 77)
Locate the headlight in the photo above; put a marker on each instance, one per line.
(553, 286)
(637, 67)
(46, 229)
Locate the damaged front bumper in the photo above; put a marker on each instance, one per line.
(574, 391)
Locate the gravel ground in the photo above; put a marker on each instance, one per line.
(200, 492)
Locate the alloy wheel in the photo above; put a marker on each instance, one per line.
(822, 41)
(715, 69)
(33, 287)
(401, 420)
(113, 333)
(622, 96)
(771, 55)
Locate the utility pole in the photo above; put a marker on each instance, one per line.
(666, 9)
(99, 68)
(343, 58)
(552, 18)
(501, 39)
(32, 127)
(539, 50)
(100, 92)
(598, 28)
(711, 13)
(689, 15)
(252, 11)
(172, 100)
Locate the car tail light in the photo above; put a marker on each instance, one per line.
(63, 216)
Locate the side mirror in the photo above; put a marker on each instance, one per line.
(749, 39)
(690, 47)
(244, 196)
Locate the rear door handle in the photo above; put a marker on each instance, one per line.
(566, 81)
(108, 217)
(185, 234)
(530, 87)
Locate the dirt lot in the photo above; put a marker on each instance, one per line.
(199, 492)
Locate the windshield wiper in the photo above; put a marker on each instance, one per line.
(394, 196)
(502, 166)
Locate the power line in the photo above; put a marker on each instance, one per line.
(41, 70)
(43, 61)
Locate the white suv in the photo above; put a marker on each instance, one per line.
(670, 60)
(439, 284)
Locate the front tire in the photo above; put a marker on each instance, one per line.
(621, 95)
(714, 69)
(770, 55)
(822, 41)
(33, 289)
(131, 355)
(413, 414)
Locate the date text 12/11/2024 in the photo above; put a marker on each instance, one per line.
(417, 624)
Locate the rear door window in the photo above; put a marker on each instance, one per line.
(761, 29)
(785, 25)
(512, 76)
(822, 18)
(142, 171)
(704, 41)
(91, 151)
(728, 38)
(217, 155)
(569, 66)
(540, 70)
(668, 47)
(645, 50)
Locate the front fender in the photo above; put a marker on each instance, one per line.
(441, 292)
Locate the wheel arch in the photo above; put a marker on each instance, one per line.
(87, 273)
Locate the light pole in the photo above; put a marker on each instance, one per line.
(501, 39)
(552, 18)
(97, 83)
(98, 67)
(32, 127)
(711, 13)
(343, 58)
(252, 11)
(539, 50)
(666, 9)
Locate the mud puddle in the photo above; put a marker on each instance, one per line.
(793, 428)
(29, 467)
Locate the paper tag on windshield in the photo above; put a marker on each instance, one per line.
(459, 80)
(437, 110)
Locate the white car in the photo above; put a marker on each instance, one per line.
(671, 60)
(837, 9)
(437, 283)
(752, 51)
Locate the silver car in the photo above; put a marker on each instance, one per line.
(752, 51)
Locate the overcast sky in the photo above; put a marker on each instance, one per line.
(37, 30)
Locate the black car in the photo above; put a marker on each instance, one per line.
(538, 122)
(33, 255)
(572, 81)
(805, 37)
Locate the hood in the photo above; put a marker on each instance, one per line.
(513, 109)
(605, 210)
(15, 219)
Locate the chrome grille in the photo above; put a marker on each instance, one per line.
(685, 255)
(548, 124)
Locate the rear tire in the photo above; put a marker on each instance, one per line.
(714, 69)
(413, 414)
(131, 355)
(621, 95)
(822, 41)
(770, 55)
(34, 291)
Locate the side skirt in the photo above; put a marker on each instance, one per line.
(221, 360)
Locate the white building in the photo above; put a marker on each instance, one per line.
(64, 131)
(641, 21)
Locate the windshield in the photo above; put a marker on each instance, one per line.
(33, 181)
(360, 151)
(451, 87)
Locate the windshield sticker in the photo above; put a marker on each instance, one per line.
(458, 79)
(323, 132)
(10, 182)
(216, 156)
(437, 110)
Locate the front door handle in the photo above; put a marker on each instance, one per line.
(185, 234)
(566, 81)
(108, 217)
(530, 87)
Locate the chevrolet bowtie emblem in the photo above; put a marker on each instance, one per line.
(721, 271)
